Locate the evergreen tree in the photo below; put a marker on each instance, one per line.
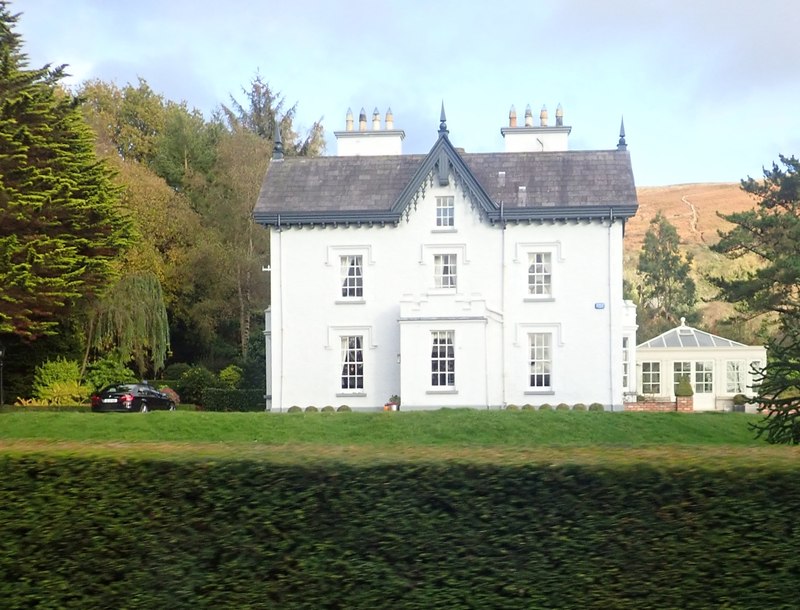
(770, 233)
(60, 226)
(666, 291)
(259, 114)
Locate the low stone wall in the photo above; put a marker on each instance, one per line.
(683, 404)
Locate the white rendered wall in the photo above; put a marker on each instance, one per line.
(536, 139)
(490, 310)
(369, 143)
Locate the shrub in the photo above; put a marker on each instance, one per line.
(175, 370)
(58, 382)
(527, 407)
(106, 371)
(230, 377)
(740, 399)
(173, 395)
(684, 387)
(562, 406)
(343, 409)
(294, 409)
(328, 409)
(596, 406)
(546, 407)
(579, 406)
(225, 399)
(512, 408)
(194, 381)
(311, 409)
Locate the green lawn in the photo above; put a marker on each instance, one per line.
(446, 427)
(704, 439)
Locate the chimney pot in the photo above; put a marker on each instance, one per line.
(362, 120)
(376, 120)
(543, 117)
(389, 119)
(512, 117)
(528, 116)
(348, 121)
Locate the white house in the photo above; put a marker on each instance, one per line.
(717, 368)
(451, 278)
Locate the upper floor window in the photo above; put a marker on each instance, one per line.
(445, 212)
(651, 378)
(443, 359)
(352, 276)
(540, 273)
(444, 270)
(541, 360)
(352, 363)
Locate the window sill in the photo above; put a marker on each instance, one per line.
(350, 301)
(442, 291)
(542, 299)
(445, 230)
(350, 394)
(447, 391)
(539, 392)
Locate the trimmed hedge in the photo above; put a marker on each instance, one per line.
(219, 399)
(120, 532)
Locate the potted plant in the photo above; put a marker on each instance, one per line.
(393, 404)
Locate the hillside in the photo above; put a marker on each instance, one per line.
(692, 209)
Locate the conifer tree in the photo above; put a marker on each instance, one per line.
(667, 292)
(60, 227)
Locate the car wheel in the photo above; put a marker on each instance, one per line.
(143, 408)
(171, 406)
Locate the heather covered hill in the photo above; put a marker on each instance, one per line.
(692, 209)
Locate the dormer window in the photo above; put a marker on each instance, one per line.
(445, 212)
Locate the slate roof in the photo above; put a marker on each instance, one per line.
(688, 337)
(558, 185)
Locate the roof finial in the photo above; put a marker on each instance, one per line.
(683, 321)
(277, 147)
(443, 131)
(622, 144)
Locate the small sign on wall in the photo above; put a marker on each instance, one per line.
(599, 305)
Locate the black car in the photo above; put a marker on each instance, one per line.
(130, 397)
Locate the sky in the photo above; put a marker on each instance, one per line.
(709, 89)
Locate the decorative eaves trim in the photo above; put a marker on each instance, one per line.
(368, 217)
(443, 151)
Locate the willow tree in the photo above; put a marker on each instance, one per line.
(131, 322)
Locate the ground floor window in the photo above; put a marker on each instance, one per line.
(735, 376)
(541, 360)
(651, 378)
(353, 363)
(626, 353)
(680, 369)
(443, 359)
(704, 377)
